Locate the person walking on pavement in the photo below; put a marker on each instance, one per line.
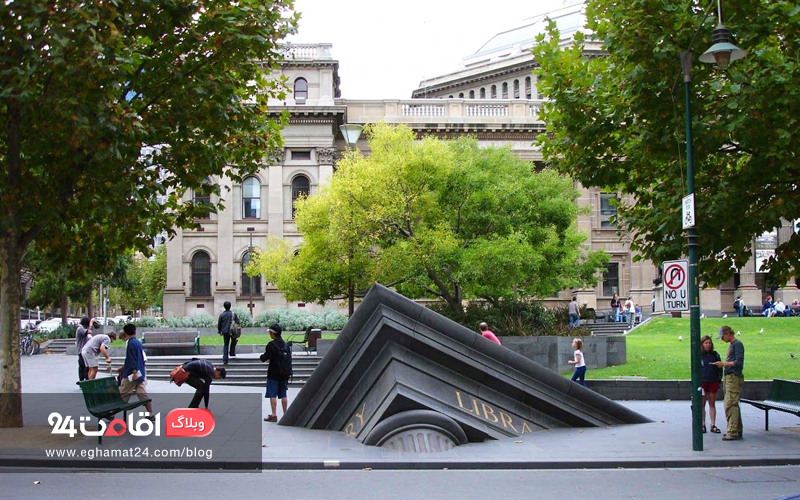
(279, 355)
(201, 373)
(574, 313)
(132, 373)
(82, 334)
(488, 334)
(226, 319)
(734, 380)
(579, 361)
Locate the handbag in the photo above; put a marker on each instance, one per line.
(235, 329)
(179, 375)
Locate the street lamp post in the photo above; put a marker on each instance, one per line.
(722, 53)
(351, 132)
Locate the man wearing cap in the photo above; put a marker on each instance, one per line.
(278, 372)
(734, 380)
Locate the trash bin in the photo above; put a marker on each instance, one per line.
(315, 335)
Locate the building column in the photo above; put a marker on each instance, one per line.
(710, 301)
(175, 291)
(325, 158)
(748, 290)
(275, 201)
(789, 291)
(223, 287)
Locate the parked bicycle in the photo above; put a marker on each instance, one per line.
(27, 344)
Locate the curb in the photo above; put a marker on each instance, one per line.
(245, 466)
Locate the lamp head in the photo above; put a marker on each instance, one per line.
(723, 52)
(351, 133)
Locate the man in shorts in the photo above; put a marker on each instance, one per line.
(94, 347)
(132, 373)
(277, 378)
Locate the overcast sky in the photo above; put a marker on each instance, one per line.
(385, 48)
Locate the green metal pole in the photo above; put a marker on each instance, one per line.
(694, 289)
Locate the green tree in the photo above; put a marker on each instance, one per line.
(147, 279)
(441, 218)
(617, 122)
(85, 89)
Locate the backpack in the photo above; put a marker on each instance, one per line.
(284, 361)
(235, 330)
(736, 304)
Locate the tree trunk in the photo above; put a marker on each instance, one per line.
(351, 299)
(89, 304)
(11, 388)
(64, 312)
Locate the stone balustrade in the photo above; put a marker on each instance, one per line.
(491, 111)
(310, 51)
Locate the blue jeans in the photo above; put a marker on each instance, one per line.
(616, 315)
(580, 375)
(574, 320)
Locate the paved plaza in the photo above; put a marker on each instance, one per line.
(666, 442)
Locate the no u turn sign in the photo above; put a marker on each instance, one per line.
(676, 285)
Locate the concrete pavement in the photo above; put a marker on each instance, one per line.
(666, 442)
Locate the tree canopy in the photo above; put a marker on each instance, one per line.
(110, 111)
(617, 122)
(444, 219)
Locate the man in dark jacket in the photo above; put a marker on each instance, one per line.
(132, 373)
(226, 319)
(277, 378)
(201, 373)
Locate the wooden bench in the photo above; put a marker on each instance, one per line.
(784, 395)
(180, 338)
(104, 401)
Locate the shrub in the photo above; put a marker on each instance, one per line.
(300, 319)
(203, 320)
(62, 332)
(330, 319)
(245, 320)
(510, 318)
(147, 322)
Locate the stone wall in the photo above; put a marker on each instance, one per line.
(554, 352)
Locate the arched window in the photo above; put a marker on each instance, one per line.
(461, 95)
(494, 92)
(301, 187)
(451, 96)
(300, 91)
(505, 90)
(251, 198)
(472, 94)
(201, 275)
(247, 281)
(516, 89)
(202, 196)
(483, 92)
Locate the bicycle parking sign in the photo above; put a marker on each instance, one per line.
(676, 285)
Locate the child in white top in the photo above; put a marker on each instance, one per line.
(579, 362)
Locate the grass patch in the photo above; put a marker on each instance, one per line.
(654, 351)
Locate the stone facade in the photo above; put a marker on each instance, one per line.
(448, 106)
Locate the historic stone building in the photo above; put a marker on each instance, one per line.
(492, 96)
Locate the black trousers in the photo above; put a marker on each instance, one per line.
(83, 371)
(200, 386)
(228, 341)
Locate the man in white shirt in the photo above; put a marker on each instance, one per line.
(94, 347)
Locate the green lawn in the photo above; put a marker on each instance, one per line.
(251, 339)
(655, 352)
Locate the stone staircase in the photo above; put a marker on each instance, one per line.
(59, 346)
(603, 328)
(243, 370)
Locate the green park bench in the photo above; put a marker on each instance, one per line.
(172, 339)
(784, 395)
(104, 401)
